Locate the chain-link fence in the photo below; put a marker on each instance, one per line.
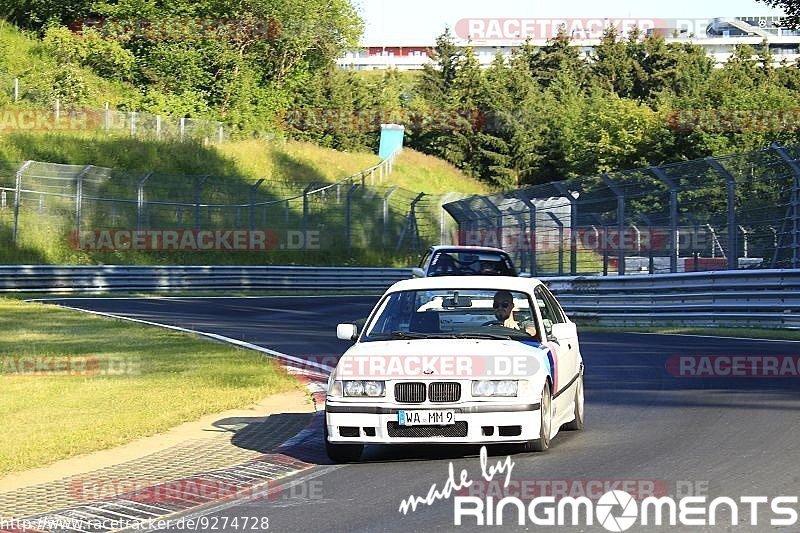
(47, 206)
(736, 211)
(136, 123)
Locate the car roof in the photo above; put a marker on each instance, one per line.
(509, 283)
(458, 248)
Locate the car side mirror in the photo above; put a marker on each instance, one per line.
(417, 272)
(346, 332)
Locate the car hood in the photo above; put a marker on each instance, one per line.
(443, 358)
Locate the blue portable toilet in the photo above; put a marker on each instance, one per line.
(391, 139)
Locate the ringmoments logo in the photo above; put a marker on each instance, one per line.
(615, 510)
(605, 508)
(618, 510)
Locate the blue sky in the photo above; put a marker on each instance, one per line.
(420, 21)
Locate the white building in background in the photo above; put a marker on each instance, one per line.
(488, 36)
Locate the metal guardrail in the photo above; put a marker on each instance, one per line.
(108, 278)
(761, 298)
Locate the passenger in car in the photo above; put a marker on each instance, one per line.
(444, 266)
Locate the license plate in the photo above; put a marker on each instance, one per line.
(426, 418)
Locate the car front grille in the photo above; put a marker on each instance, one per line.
(437, 392)
(459, 429)
(441, 392)
(413, 392)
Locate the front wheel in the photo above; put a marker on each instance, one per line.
(577, 423)
(545, 423)
(342, 453)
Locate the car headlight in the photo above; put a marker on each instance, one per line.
(494, 388)
(483, 388)
(372, 389)
(506, 388)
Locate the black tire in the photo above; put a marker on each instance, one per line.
(577, 424)
(545, 423)
(342, 453)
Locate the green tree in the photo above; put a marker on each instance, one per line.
(612, 65)
(36, 14)
(556, 56)
(791, 8)
(438, 77)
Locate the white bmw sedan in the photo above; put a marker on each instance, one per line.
(456, 360)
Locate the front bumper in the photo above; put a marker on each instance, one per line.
(486, 423)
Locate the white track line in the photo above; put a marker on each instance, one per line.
(702, 336)
(161, 297)
(278, 355)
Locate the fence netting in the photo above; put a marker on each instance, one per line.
(730, 212)
(72, 207)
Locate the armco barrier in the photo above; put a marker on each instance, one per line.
(757, 298)
(99, 279)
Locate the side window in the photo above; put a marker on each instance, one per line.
(527, 320)
(423, 264)
(510, 270)
(550, 315)
(551, 300)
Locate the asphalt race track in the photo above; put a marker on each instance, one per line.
(302, 326)
(645, 428)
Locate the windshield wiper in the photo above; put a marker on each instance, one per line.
(416, 335)
(480, 336)
(410, 335)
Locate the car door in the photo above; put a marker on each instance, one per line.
(564, 349)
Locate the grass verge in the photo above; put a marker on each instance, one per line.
(74, 383)
(751, 333)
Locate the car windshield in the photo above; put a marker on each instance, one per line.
(453, 313)
(485, 263)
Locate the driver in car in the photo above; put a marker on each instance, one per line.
(503, 305)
